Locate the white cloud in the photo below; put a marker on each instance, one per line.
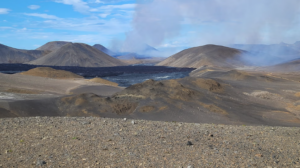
(98, 1)
(20, 30)
(107, 27)
(36, 45)
(5, 28)
(94, 10)
(42, 15)
(4, 11)
(124, 10)
(217, 21)
(109, 8)
(123, 6)
(105, 1)
(103, 15)
(78, 5)
(34, 7)
(100, 38)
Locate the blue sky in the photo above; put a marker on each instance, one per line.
(169, 25)
(31, 23)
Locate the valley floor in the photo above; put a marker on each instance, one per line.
(103, 142)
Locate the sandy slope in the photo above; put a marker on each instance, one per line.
(51, 73)
(47, 85)
(58, 86)
(227, 97)
(291, 66)
(210, 55)
(212, 96)
(25, 95)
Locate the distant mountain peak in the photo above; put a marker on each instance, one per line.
(149, 48)
(13, 55)
(78, 54)
(53, 45)
(99, 45)
(104, 49)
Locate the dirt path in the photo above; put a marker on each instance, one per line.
(102, 142)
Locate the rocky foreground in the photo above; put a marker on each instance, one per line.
(102, 142)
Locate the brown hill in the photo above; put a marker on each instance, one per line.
(13, 55)
(51, 73)
(222, 101)
(78, 54)
(235, 75)
(149, 96)
(221, 97)
(103, 81)
(53, 45)
(211, 55)
(291, 66)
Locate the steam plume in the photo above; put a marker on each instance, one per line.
(216, 21)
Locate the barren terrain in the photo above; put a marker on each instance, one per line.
(209, 95)
(101, 142)
(33, 94)
(219, 116)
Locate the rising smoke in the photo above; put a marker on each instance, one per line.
(218, 21)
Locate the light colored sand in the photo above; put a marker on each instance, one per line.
(103, 81)
(47, 85)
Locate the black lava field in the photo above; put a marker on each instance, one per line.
(123, 75)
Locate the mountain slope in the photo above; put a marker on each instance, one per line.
(291, 66)
(53, 45)
(104, 49)
(77, 54)
(13, 55)
(211, 55)
(48, 72)
(262, 54)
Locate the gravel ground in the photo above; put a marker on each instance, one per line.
(103, 142)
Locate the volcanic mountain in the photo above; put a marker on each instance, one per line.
(13, 55)
(290, 66)
(77, 54)
(210, 55)
(273, 54)
(53, 45)
(104, 49)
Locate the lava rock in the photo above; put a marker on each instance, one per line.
(189, 143)
(40, 163)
